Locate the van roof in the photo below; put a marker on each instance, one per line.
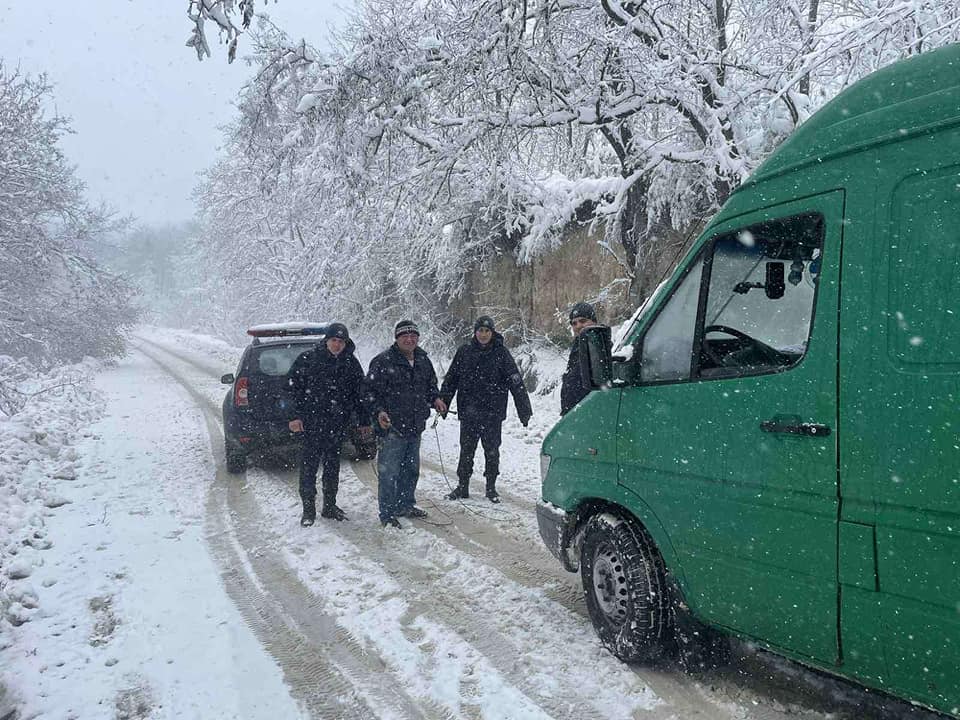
(904, 98)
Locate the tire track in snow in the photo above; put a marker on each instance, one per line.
(326, 668)
(456, 610)
(476, 628)
(487, 545)
(463, 610)
(753, 688)
(512, 558)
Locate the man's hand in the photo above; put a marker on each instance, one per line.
(295, 425)
(440, 406)
(383, 420)
(365, 432)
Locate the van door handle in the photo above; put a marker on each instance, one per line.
(795, 428)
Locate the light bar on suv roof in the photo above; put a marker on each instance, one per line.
(286, 329)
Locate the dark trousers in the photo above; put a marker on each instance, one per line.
(486, 432)
(317, 450)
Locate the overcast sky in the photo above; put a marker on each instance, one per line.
(144, 110)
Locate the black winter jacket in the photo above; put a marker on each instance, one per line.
(328, 391)
(480, 376)
(405, 393)
(575, 385)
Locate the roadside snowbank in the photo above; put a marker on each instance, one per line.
(37, 461)
(127, 613)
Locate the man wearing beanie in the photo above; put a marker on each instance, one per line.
(573, 388)
(481, 374)
(328, 388)
(402, 387)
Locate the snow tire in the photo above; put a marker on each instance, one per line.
(624, 584)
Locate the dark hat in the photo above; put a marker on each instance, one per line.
(405, 326)
(583, 310)
(338, 330)
(484, 321)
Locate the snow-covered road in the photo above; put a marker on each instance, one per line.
(133, 620)
(174, 589)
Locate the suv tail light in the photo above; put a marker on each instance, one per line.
(240, 398)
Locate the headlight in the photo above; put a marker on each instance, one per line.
(544, 467)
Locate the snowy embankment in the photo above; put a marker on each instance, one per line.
(37, 459)
(113, 607)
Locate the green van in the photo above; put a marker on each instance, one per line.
(774, 450)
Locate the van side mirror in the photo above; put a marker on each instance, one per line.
(774, 286)
(598, 367)
(227, 379)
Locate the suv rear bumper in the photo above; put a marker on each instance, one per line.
(276, 436)
(262, 436)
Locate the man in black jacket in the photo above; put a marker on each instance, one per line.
(328, 390)
(481, 374)
(573, 389)
(402, 386)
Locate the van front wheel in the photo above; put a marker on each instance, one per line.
(625, 588)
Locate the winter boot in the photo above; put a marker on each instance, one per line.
(309, 512)
(461, 491)
(492, 494)
(331, 511)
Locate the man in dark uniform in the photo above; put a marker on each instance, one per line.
(573, 388)
(328, 390)
(402, 386)
(482, 373)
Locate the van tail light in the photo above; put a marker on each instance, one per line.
(240, 393)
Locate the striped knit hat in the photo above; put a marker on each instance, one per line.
(405, 326)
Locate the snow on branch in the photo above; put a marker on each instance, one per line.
(441, 134)
(221, 13)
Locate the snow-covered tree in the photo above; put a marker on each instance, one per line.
(163, 262)
(440, 132)
(231, 17)
(56, 303)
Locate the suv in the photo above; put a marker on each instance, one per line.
(259, 404)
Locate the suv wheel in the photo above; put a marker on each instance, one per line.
(236, 461)
(625, 588)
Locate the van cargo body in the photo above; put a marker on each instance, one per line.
(778, 449)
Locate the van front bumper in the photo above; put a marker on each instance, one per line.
(554, 524)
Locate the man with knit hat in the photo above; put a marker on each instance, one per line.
(402, 387)
(481, 375)
(574, 387)
(328, 390)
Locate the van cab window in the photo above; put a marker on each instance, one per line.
(668, 344)
(756, 314)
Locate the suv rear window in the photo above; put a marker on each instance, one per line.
(275, 360)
